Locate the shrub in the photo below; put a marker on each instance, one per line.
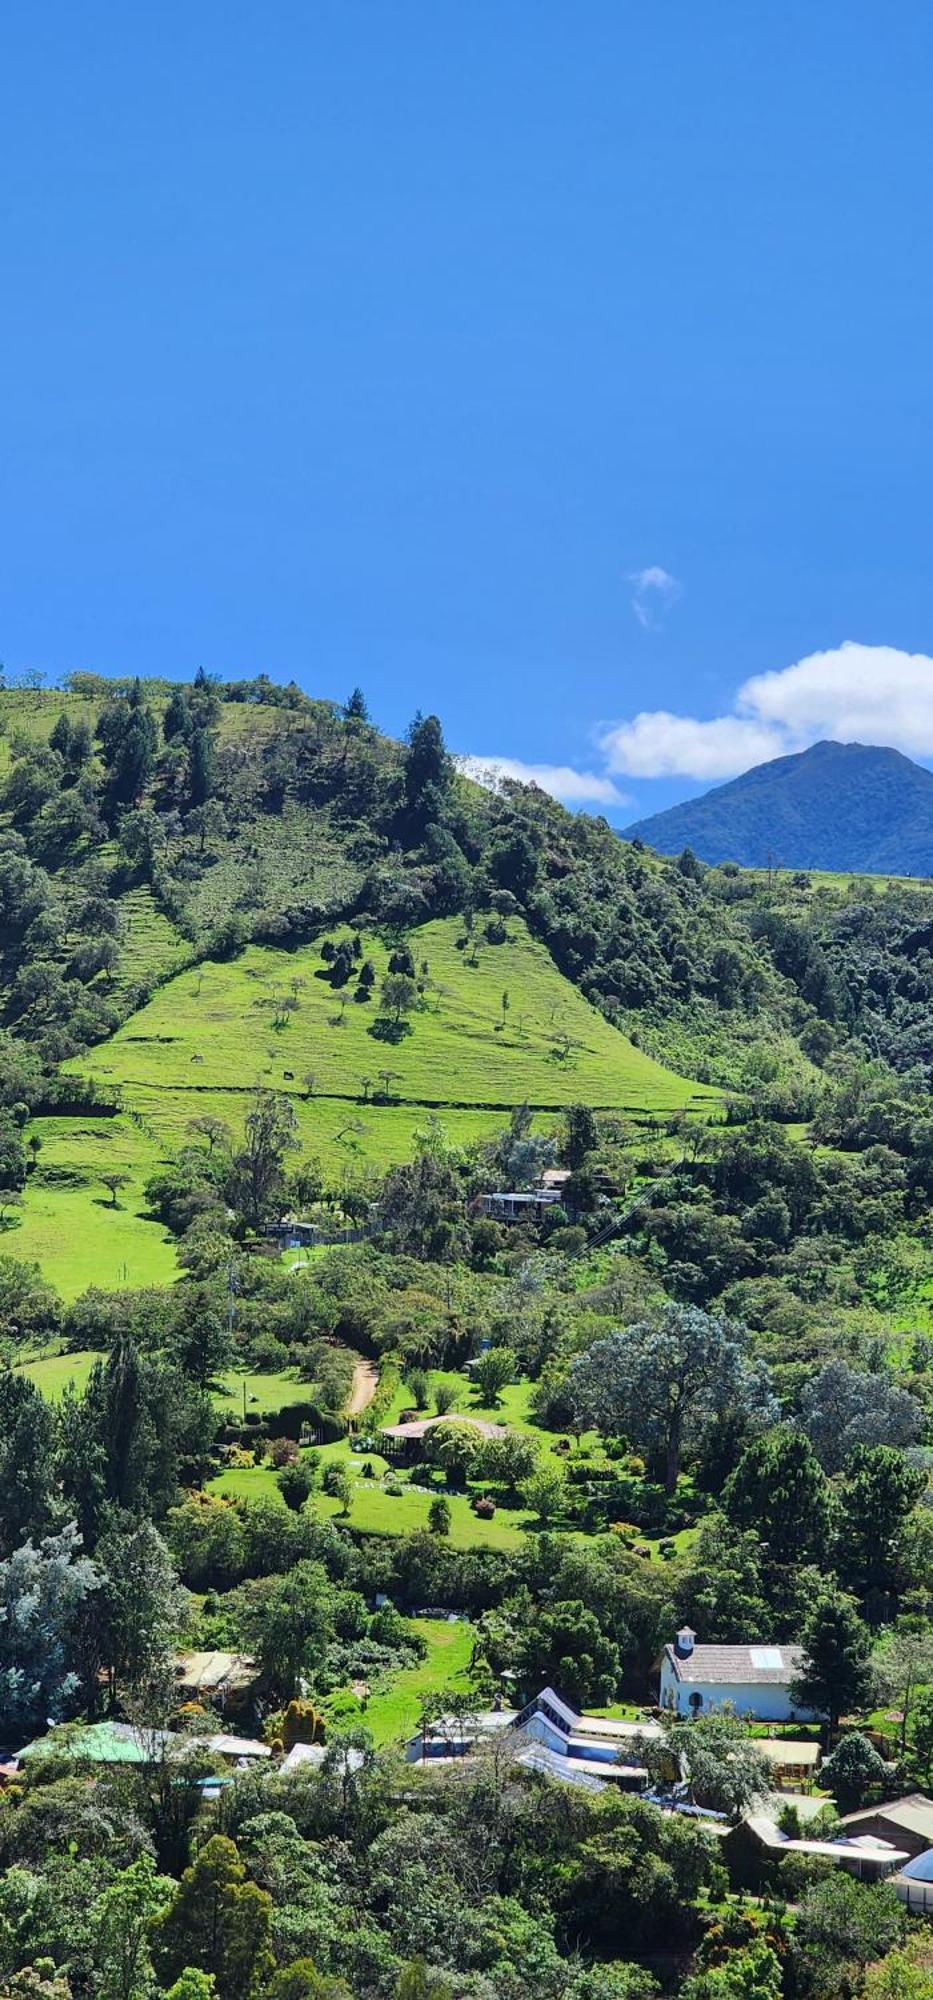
(295, 1483)
(283, 1451)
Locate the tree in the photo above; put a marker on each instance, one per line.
(126, 731)
(218, 1921)
(202, 767)
(905, 1974)
(193, 1985)
(439, 1516)
(751, 1974)
(545, 1492)
(922, 1732)
(663, 1383)
(137, 1425)
(214, 1130)
(27, 1434)
(398, 995)
(491, 1372)
(426, 776)
(722, 1767)
(257, 1177)
(581, 1135)
(843, 1407)
(38, 1981)
(902, 1664)
(123, 1917)
(113, 1180)
(563, 1646)
(780, 1489)
(853, 1771)
(142, 1604)
(287, 1622)
(43, 1589)
(878, 1495)
(302, 1981)
(202, 1336)
(454, 1445)
(355, 709)
(417, 1981)
(844, 1923)
(834, 1676)
(507, 1461)
(337, 1486)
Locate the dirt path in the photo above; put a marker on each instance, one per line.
(365, 1384)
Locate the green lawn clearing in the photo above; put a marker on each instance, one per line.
(373, 1511)
(259, 1395)
(54, 1373)
(392, 1715)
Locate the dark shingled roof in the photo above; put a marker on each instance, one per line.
(739, 1664)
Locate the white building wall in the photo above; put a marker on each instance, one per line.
(766, 1702)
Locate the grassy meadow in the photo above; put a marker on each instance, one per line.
(209, 1035)
(464, 1050)
(392, 1713)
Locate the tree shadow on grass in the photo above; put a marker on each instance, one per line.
(384, 1030)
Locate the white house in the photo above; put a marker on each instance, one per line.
(754, 1679)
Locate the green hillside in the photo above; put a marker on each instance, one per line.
(173, 859)
(207, 1037)
(212, 1028)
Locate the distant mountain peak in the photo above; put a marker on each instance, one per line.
(855, 807)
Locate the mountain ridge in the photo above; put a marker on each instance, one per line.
(847, 807)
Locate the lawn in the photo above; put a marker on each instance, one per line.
(69, 1224)
(151, 949)
(262, 1394)
(247, 1482)
(376, 1512)
(54, 1373)
(373, 1511)
(392, 1716)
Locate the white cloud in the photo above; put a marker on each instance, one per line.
(655, 592)
(658, 745)
(861, 694)
(560, 780)
(851, 693)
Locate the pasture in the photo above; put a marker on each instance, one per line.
(499, 1026)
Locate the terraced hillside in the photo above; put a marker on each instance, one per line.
(209, 1035)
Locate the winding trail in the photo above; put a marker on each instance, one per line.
(365, 1384)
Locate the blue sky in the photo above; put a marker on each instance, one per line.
(553, 367)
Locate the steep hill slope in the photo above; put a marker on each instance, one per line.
(215, 1028)
(837, 806)
(209, 1036)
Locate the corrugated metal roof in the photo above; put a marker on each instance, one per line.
(913, 1812)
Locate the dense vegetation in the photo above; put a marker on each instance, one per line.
(267, 974)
